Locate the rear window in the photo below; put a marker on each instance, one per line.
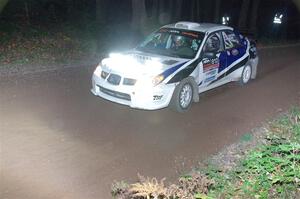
(231, 40)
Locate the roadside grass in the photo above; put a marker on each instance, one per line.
(269, 170)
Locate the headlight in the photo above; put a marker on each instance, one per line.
(98, 71)
(158, 79)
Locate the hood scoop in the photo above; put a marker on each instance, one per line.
(169, 62)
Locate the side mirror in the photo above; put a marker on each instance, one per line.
(209, 55)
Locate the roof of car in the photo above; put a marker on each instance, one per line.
(201, 27)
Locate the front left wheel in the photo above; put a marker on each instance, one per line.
(183, 96)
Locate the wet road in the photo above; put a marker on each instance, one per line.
(60, 141)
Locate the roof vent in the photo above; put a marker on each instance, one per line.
(186, 25)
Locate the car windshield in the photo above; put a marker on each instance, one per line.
(173, 42)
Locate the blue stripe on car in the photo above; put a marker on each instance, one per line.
(222, 60)
(171, 70)
(232, 58)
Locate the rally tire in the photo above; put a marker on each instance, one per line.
(246, 75)
(182, 98)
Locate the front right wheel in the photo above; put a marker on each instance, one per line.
(183, 96)
(246, 75)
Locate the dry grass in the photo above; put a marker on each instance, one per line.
(151, 188)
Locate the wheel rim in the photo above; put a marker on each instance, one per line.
(185, 97)
(247, 74)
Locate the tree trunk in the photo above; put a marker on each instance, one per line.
(70, 9)
(27, 13)
(164, 13)
(138, 14)
(217, 11)
(154, 10)
(192, 10)
(161, 6)
(297, 2)
(178, 9)
(254, 14)
(198, 11)
(2, 4)
(243, 15)
(101, 11)
(171, 7)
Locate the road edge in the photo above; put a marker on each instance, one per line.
(12, 71)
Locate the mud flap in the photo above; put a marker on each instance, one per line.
(254, 63)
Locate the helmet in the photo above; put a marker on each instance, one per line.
(179, 40)
(213, 43)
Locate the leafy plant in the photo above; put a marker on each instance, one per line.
(271, 170)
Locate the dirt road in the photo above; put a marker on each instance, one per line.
(60, 141)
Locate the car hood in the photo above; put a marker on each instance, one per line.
(135, 64)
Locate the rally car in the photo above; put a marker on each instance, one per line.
(174, 64)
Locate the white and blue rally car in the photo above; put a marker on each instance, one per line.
(174, 64)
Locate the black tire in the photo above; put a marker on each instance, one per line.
(182, 98)
(246, 75)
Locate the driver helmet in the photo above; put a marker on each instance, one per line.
(179, 40)
(213, 43)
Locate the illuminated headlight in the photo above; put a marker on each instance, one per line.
(98, 71)
(157, 80)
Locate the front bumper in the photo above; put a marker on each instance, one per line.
(139, 96)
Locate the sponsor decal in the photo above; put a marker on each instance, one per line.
(163, 30)
(212, 72)
(234, 52)
(209, 79)
(174, 31)
(210, 64)
(190, 34)
(157, 97)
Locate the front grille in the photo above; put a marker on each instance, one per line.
(116, 94)
(114, 79)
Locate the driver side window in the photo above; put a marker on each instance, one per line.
(213, 43)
